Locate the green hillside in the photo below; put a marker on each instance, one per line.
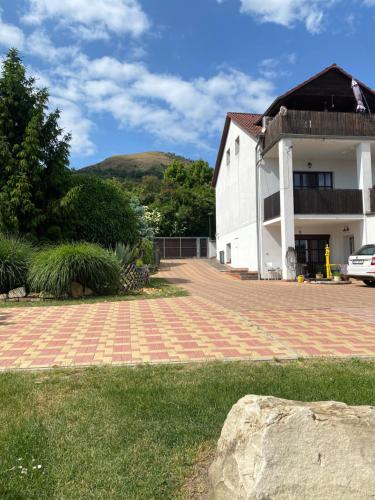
(133, 166)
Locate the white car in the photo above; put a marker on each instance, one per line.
(362, 265)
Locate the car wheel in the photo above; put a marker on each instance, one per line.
(369, 282)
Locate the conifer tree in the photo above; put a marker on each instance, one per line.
(34, 153)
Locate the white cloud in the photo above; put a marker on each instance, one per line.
(73, 121)
(272, 68)
(169, 107)
(91, 19)
(10, 35)
(39, 44)
(288, 12)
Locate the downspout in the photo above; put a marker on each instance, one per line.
(257, 195)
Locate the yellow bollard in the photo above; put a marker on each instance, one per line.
(328, 265)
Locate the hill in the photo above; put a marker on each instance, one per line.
(133, 166)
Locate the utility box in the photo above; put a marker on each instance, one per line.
(222, 257)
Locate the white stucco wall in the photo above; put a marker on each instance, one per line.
(370, 229)
(236, 201)
(211, 250)
(243, 247)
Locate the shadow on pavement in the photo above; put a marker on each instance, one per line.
(166, 264)
(178, 280)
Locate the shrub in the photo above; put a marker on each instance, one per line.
(54, 269)
(125, 253)
(98, 211)
(15, 255)
(146, 251)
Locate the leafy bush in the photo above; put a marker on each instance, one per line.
(54, 269)
(15, 255)
(146, 251)
(98, 211)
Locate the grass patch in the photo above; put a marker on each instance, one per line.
(158, 288)
(137, 433)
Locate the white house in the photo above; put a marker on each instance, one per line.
(298, 176)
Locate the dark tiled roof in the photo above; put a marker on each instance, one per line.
(246, 121)
(333, 67)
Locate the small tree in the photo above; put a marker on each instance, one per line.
(34, 153)
(98, 211)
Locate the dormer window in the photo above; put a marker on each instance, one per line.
(228, 157)
(237, 145)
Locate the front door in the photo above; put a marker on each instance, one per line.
(311, 253)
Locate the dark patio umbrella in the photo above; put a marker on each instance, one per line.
(358, 97)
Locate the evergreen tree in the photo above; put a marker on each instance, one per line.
(34, 153)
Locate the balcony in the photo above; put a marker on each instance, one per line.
(318, 123)
(319, 202)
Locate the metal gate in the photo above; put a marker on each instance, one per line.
(180, 248)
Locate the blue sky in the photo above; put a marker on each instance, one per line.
(141, 75)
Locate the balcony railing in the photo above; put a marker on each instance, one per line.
(272, 206)
(318, 123)
(319, 202)
(372, 200)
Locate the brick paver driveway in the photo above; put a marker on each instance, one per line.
(223, 318)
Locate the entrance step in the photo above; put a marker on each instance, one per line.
(249, 276)
(238, 273)
(242, 274)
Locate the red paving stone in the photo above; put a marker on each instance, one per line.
(221, 319)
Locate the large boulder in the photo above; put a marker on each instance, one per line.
(17, 293)
(273, 448)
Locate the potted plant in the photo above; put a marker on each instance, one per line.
(336, 276)
(319, 274)
(139, 263)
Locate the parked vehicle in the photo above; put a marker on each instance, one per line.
(362, 265)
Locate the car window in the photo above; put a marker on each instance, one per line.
(366, 250)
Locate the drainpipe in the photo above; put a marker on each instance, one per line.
(257, 195)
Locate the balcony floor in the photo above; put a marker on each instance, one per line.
(317, 219)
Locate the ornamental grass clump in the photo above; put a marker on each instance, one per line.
(15, 256)
(53, 270)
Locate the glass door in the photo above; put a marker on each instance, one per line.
(310, 251)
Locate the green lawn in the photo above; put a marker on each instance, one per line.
(157, 288)
(135, 433)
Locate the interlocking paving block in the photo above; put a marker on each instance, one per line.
(221, 319)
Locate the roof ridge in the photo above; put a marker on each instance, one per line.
(242, 113)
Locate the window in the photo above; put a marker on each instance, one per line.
(237, 145)
(366, 250)
(351, 245)
(312, 180)
(228, 157)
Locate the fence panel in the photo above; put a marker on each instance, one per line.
(180, 248)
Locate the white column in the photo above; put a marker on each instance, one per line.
(364, 173)
(286, 202)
